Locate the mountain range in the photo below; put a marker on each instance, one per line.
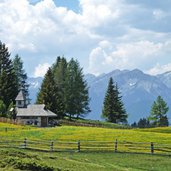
(138, 91)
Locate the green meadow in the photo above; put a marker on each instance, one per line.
(72, 161)
(75, 133)
(30, 159)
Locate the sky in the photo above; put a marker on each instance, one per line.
(103, 35)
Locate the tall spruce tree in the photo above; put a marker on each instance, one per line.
(48, 93)
(76, 91)
(8, 79)
(21, 76)
(159, 111)
(120, 109)
(113, 107)
(59, 73)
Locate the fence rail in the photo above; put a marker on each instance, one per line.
(87, 146)
(11, 121)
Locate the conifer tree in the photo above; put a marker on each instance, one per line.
(2, 109)
(59, 73)
(159, 110)
(21, 76)
(8, 80)
(113, 108)
(64, 87)
(143, 123)
(120, 109)
(48, 93)
(76, 91)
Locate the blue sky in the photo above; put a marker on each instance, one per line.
(102, 34)
(69, 4)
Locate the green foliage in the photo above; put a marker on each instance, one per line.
(8, 79)
(134, 125)
(68, 161)
(2, 109)
(48, 92)
(59, 71)
(76, 91)
(159, 110)
(143, 123)
(23, 161)
(164, 121)
(9, 112)
(113, 107)
(29, 165)
(64, 90)
(59, 74)
(21, 76)
(93, 123)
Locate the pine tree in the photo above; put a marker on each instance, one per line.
(164, 121)
(48, 93)
(113, 108)
(120, 110)
(158, 112)
(8, 80)
(21, 76)
(2, 109)
(143, 123)
(109, 103)
(65, 88)
(59, 73)
(76, 91)
(134, 125)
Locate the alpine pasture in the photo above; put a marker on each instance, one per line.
(97, 148)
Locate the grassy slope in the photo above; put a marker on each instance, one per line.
(82, 161)
(87, 161)
(73, 133)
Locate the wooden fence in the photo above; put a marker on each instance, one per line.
(7, 129)
(11, 121)
(87, 146)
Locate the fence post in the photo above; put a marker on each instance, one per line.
(116, 145)
(78, 146)
(25, 142)
(51, 146)
(152, 148)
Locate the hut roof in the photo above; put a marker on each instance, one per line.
(35, 110)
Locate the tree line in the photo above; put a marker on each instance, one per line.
(13, 78)
(158, 115)
(114, 111)
(64, 91)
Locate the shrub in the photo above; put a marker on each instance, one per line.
(28, 164)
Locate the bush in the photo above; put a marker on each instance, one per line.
(28, 164)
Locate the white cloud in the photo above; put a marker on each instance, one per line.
(140, 54)
(159, 69)
(41, 70)
(95, 13)
(112, 33)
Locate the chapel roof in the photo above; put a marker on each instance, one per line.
(35, 110)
